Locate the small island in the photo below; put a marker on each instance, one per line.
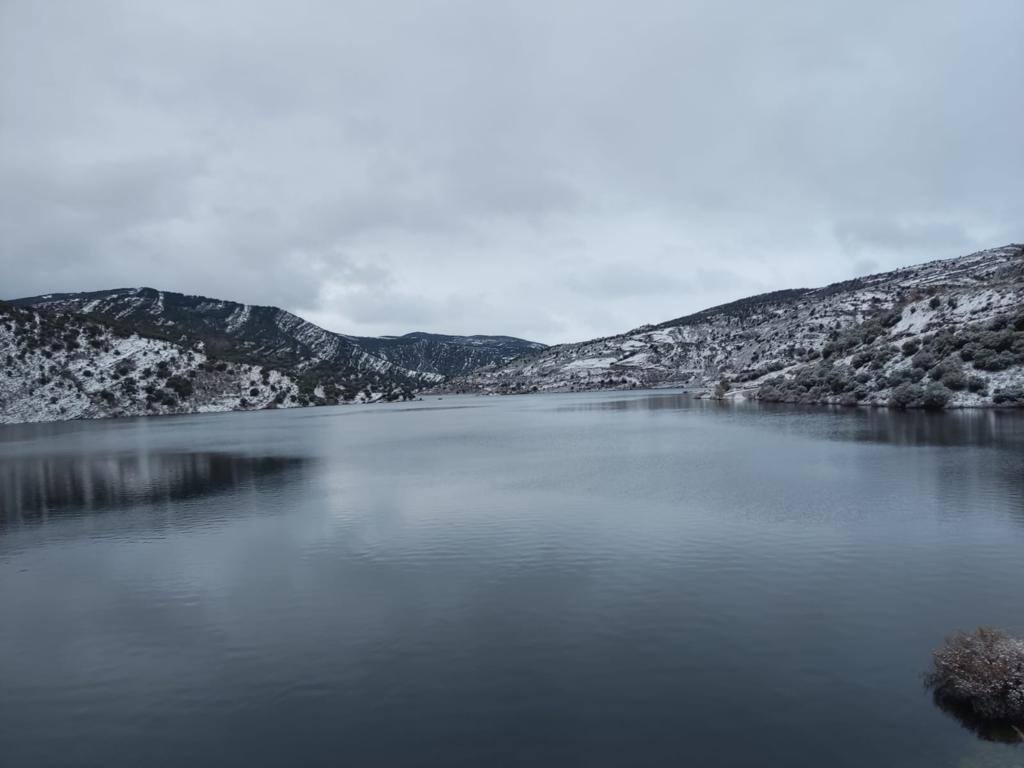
(979, 678)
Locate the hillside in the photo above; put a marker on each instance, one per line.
(272, 337)
(59, 366)
(948, 332)
(254, 335)
(446, 355)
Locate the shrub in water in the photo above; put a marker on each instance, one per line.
(982, 671)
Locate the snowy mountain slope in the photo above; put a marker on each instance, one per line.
(446, 355)
(254, 335)
(270, 336)
(780, 334)
(58, 366)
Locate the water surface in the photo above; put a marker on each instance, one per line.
(598, 579)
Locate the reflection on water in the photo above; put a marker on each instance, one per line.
(647, 402)
(33, 488)
(998, 731)
(967, 427)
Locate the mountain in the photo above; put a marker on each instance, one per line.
(58, 366)
(253, 335)
(446, 355)
(274, 338)
(949, 332)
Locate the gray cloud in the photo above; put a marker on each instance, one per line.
(557, 171)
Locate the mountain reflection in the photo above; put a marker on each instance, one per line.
(668, 402)
(34, 488)
(964, 427)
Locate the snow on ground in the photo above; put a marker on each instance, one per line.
(754, 339)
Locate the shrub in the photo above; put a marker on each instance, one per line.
(977, 384)
(906, 395)
(990, 360)
(1000, 341)
(925, 359)
(983, 671)
(861, 359)
(180, 385)
(910, 347)
(935, 397)
(1012, 395)
(950, 373)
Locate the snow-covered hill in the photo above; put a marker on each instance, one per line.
(447, 355)
(856, 341)
(254, 335)
(59, 366)
(270, 336)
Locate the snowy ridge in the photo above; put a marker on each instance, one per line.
(271, 336)
(446, 355)
(59, 366)
(255, 335)
(754, 340)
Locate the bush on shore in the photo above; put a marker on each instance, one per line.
(981, 672)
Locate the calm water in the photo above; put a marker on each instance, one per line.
(599, 579)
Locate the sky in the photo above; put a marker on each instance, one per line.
(551, 170)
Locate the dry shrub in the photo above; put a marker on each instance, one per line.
(982, 672)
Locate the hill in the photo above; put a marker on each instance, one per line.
(945, 333)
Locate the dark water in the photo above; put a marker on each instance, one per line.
(558, 580)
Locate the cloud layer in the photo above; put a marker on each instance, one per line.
(551, 170)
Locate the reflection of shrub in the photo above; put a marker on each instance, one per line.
(982, 670)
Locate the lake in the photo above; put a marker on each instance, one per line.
(600, 579)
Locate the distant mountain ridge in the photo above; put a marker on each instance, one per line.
(273, 337)
(857, 341)
(444, 354)
(133, 351)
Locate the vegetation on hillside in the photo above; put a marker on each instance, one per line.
(864, 364)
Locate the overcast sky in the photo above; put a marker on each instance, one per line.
(554, 170)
